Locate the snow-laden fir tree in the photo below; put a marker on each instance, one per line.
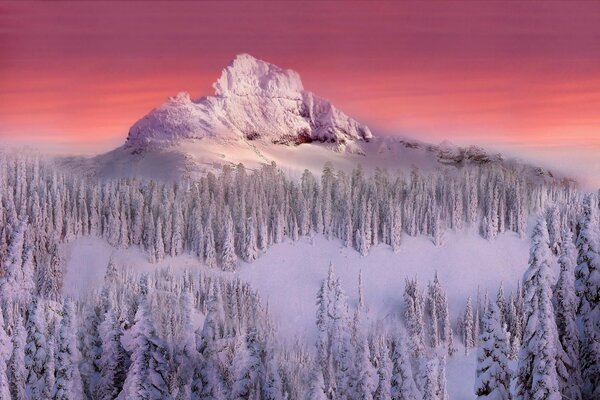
(247, 367)
(493, 371)
(587, 287)
(468, 327)
(442, 380)
(147, 375)
(413, 301)
(17, 373)
(67, 385)
(566, 303)
(37, 353)
(6, 348)
(429, 376)
(114, 360)
(403, 386)
(228, 257)
(366, 379)
(536, 375)
(384, 366)
(316, 390)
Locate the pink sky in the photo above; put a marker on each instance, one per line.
(522, 77)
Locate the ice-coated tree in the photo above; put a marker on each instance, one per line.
(67, 385)
(566, 303)
(12, 276)
(536, 375)
(37, 353)
(17, 373)
(442, 380)
(159, 245)
(429, 374)
(396, 227)
(6, 349)
(247, 367)
(316, 389)
(403, 386)
(228, 257)
(342, 350)
(468, 327)
(493, 375)
(90, 345)
(147, 376)
(272, 388)
(366, 374)
(413, 301)
(384, 366)
(114, 359)
(587, 287)
(52, 276)
(210, 252)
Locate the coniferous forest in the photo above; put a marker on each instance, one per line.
(138, 337)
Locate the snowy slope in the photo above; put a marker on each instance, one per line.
(288, 276)
(253, 100)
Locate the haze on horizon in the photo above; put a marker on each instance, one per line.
(522, 78)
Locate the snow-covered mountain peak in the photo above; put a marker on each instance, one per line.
(254, 101)
(246, 76)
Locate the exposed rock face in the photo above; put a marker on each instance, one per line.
(253, 100)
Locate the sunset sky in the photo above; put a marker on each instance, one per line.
(520, 77)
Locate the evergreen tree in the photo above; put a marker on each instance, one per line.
(468, 327)
(17, 373)
(493, 372)
(403, 386)
(114, 359)
(68, 382)
(6, 348)
(147, 376)
(566, 303)
(537, 376)
(37, 360)
(587, 287)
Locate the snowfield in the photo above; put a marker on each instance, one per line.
(288, 275)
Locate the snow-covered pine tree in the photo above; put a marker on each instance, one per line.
(67, 385)
(536, 376)
(403, 386)
(468, 327)
(587, 287)
(246, 367)
(316, 390)
(6, 348)
(442, 380)
(566, 303)
(366, 374)
(114, 360)
(17, 374)
(384, 366)
(37, 353)
(429, 374)
(493, 371)
(413, 301)
(147, 376)
(228, 256)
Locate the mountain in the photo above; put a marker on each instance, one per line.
(260, 113)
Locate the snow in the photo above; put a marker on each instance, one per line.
(288, 275)
(253, 100)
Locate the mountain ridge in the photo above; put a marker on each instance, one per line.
(260, 114)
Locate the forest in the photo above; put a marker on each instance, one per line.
(137, 336)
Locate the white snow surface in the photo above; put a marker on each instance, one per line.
(288, 275)
(253, 100)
